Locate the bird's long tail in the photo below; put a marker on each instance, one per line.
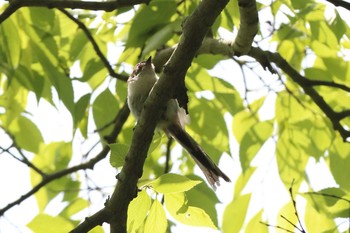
(211, 171)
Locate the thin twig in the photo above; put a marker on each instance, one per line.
(122, 116)
(301, 229)
(94, 45)
(24, 159)
(276, 226)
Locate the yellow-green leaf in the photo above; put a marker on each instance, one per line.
(118, 154)
(172, 183)
(43, 223)
(317, 222)
(137, 211)
(26, 134)
(235, 213)
(156, 220)
(74, 207)
(252, 141)
(255, 225)
(176, 204)
(10, 42)
(104, 110)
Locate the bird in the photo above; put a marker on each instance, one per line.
(140, 84)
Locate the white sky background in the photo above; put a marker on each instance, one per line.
(56, 125)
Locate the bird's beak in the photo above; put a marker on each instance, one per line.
(149, 61)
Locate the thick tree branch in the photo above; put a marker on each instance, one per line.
(249, 21)
(194, 30)
(95, 46)
(122, 117)
(71, 4)
(240, 46)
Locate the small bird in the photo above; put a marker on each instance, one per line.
(140, 84)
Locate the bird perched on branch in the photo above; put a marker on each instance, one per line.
(140, 84)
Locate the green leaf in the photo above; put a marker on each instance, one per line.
(157, 13)
(242, 122)
(291, 156)
(104, 110)
(160, 37)
(77, 45)
(51, 158)
(137, 211)
(118, 154)
(213, 137)
(252, 141)
(60, 81)
(97, 229)
(236, 210)
(156, 220)
(10, 42)
(321, 135)
(316, 222)
(42, 18)
(337, 25)
(30, 80)
(322, 50)
(203, 197)
(54, 156)
(43, 223)
(74, 207)
(92, 71)
(230, 16)
(289, 111)
(321, 32)
(81, 109)
(71, 190)
(26, 134)
(172, 183)
(288, 212)
(329, 202)
(339, 157)
(242, 180)
(339, 68)
(315, 73)
(156, 142)
(13, 100)
(299, 4)
(287, 31)
(255, 225)
(208, 61)
(177, 206)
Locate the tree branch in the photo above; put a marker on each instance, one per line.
(341, 3)
(72, 4)
(194, 30)
(94, 45)
(328, 84)
(241, 45)
(304, 83)
(122, 117)
(214, 46)
(249, 21)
